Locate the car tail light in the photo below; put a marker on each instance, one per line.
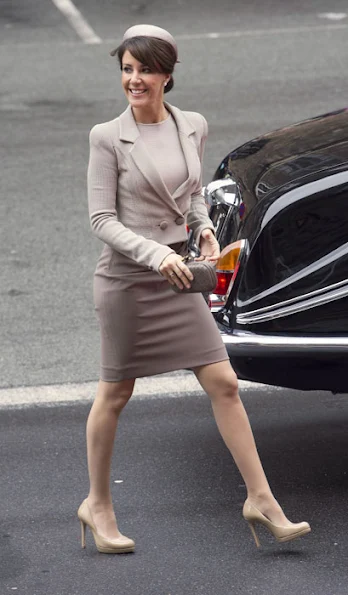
(226, 269)
(223, 282)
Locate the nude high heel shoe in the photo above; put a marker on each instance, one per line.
(119, 545)
(282, 533)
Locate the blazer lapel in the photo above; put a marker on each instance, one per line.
(185, 130)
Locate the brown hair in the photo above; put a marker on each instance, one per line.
(156, 54)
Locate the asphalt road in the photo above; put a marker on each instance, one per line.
(249, 68)
(181, 500)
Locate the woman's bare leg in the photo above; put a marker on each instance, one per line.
(220, 382)
(101, 429)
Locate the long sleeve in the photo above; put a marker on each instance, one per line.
(198, 218)
(102, 203)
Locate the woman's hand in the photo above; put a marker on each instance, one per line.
(209, 246)
(175, 271)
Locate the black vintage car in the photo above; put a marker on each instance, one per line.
(279, 204)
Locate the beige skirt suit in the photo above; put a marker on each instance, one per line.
(140, 213)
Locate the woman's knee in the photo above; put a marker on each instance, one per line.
(218, 380)
(115, 395)
(227, 386)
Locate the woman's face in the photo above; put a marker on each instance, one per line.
(143, 88)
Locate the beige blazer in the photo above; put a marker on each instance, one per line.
(130, 207)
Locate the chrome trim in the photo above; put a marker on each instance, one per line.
(281, 309)
(249, 344)
(216, 309)
(215, 192)
(302, 297)
(216, 302)
(308, 270)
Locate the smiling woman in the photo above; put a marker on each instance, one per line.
(145, 191)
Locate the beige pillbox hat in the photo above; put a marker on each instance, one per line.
(149, 31)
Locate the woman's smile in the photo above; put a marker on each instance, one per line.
(137, 91)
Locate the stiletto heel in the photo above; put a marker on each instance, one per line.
(119, 545)
(253, 531)
(83, 534)
(281, 532)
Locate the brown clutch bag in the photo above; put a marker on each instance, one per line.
(204, 276)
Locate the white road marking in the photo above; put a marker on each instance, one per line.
(333, 16)
(192, 36)
(77, 21)
(153, 387)
(257, 32)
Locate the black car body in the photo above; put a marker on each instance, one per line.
(283, 198)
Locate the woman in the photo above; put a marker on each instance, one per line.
(144, 185)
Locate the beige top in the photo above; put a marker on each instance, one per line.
(163, 145)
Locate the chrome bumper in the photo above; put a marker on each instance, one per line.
(252, 345)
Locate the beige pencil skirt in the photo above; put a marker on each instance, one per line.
(145, 327)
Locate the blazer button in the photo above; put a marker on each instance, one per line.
(163, 225)
(180, 220)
